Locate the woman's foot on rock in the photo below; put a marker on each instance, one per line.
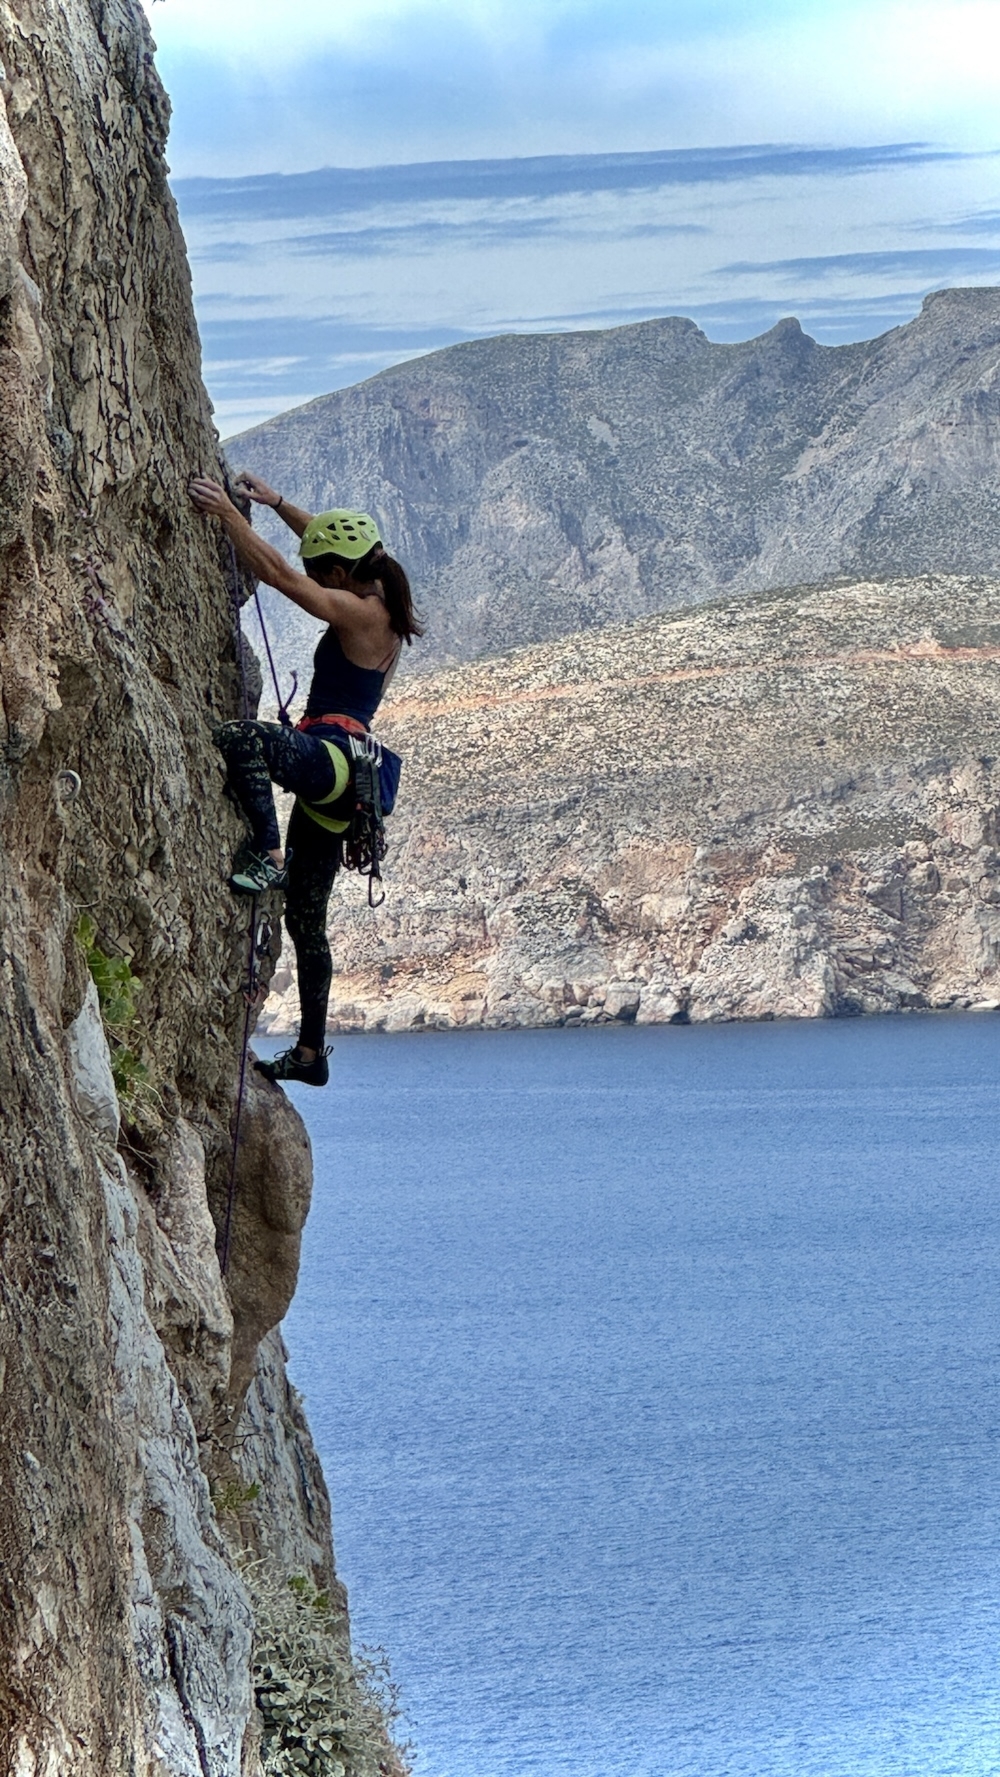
(287, 1066)
(259, 876)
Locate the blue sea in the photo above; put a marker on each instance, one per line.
(655, 1375)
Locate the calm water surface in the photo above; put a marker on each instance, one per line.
(655, 1374)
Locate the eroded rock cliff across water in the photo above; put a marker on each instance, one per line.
(158, 1484)
(536, 485)
(780, 806)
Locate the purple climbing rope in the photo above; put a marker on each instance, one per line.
(260, 932)
(227, 1229)
(234, 601)
(283, 716)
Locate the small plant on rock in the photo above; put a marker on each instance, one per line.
(324, 1714)
(117, 992)
(232, 1496)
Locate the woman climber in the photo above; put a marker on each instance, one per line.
(364, 596)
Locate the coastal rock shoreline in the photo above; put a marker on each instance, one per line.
(769, 808)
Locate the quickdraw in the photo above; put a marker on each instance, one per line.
(364, 843)
(255, 991)
(260, 945)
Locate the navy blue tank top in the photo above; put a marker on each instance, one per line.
(339, 688)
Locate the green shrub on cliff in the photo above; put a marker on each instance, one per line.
(117, 992)
(323, 1715)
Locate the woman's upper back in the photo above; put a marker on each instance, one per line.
(340, 687)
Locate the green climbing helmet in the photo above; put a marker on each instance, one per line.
(350, 534)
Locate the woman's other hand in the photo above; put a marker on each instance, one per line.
(256, 489)
(210, 497)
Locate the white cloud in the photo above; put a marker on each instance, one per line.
(470, 78)
(251, 32)
(930, 69)
(295, 300)
(904, 48)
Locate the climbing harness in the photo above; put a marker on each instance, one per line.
(371, 772)
(341, 779)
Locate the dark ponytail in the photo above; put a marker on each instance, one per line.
(377, 565)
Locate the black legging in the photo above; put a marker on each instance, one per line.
(255, 753)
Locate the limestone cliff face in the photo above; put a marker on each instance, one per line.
(775, 807)
(138, 1403)
(542, 484)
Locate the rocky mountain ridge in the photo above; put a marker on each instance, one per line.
(159, 1487)
(536, 485)
(780, 806)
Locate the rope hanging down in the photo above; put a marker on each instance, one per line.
(234, 602)
(260, 928)
(283, 716)
(260, 944)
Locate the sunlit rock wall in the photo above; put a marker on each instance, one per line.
(126, 1630)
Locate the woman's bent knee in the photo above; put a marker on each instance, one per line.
(231, 737)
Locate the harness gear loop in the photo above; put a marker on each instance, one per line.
(365, 845)
(356, 761)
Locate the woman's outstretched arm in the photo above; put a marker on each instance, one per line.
(257, 489)
(351, 614)
(263, 560)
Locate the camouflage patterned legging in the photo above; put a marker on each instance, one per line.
(255, 753)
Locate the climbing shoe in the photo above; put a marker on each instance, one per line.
(258, 876)
(287, 1066)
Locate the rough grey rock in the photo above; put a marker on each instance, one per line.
(622, 1000)
(540, 484)
(125, 1626)
(275, 1456)
(192, 1624)
(273, 1186)
(187, 1299)
(90, 1069)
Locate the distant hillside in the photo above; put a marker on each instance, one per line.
(542, 484)
(780, 806)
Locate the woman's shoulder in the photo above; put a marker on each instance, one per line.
(372, 651)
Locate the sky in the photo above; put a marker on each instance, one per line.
(365, 182)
